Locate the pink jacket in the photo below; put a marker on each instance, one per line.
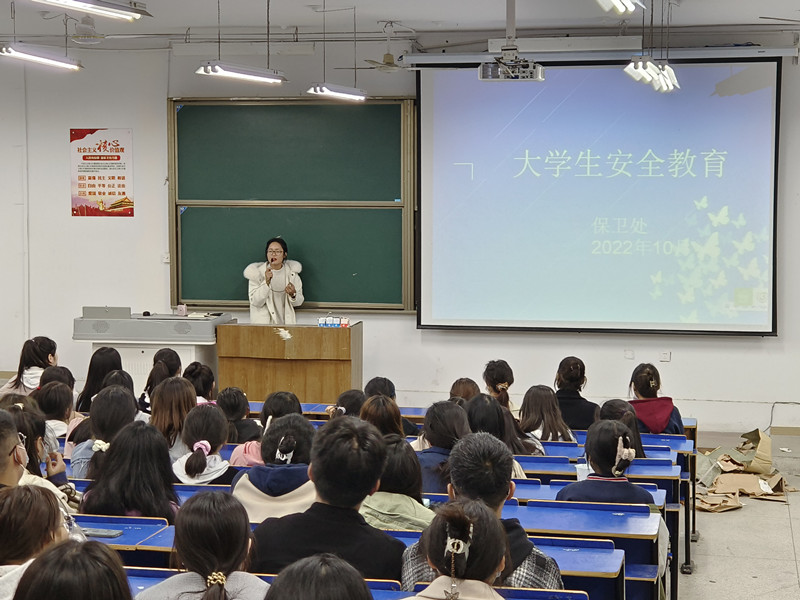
(247, 455)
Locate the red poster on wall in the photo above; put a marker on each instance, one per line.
(101, 172)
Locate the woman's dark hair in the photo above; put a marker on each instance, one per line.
(74, 571)
(212, 535)
(202, 378)
(233, 403)
(280, 240)
(351, 401)
(540, 410)
(55, 400)
(402, 473)
(81, 433)
(171, 401)
(486, 414)
(488, 543)
(289, 436)
(119, 377)
(35, 352)
(103, 361)
(136, 476)
(602, 444)
(57, 373)
(445, 423)
(29, 520)
(499, 377)
(30, 422)
(571, 374)
(464, 388)
(383, 413)
(277, 405)
(170, 359)
(166, 364)
(205, 422)
(380, 385)
(622, 411)
(645, 381)
(113, 408)
(321, 577)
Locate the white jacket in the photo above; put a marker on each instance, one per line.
(262, 300)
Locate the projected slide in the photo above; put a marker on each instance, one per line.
(590, 201)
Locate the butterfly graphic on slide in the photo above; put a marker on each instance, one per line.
(710, 248)
(721, 218)
(702, 203)
(751, 270)
(687, 297)
(748, 243)
(718, 282)
(656, 293)
(740, 221)
(688, 264)
(657, 278)
(733, 261)
(682, 247)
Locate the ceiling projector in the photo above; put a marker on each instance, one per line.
(510, 67)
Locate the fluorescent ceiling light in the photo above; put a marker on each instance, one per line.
(340, 92)
(38, 56)
(129, 11)
(621, 7)
(252, 74)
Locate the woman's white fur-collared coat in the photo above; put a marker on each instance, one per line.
(262, 299)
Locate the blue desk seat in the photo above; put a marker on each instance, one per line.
(443, 498)
(134, 530)
(533, 489)
(547, 467)
(569, 449)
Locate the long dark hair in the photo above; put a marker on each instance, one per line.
(136, 476)
(202, 378)
(171, 401)
(278, 404)
(212, 535)
(166, 364)
(103, 361)
(113, 408)
(321, 577)
(622, 411)
(540, 410)
(30, 422)
(233, 402)
(55, 400)
(499, 377)
(602, 446)
(445, 423)
(203, 423)
(402, 473)
(35, 352)
(383, 413)
(486, 414)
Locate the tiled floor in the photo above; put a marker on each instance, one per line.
(753, 552)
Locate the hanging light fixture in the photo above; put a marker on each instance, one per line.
(329, 90)
(643, 68)
(217, 68)
(126, 11)
(36, 55)
(622, 7)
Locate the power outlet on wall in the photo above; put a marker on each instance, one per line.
(665, 356)
(165, 258)
(628, 354)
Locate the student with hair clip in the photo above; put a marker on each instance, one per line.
(381, 386)
(233, 402)
(31, 520)
(277, 405)
(656, 414)
(445, 423)
(202, 378)
(280, 486)
(382, 412)
(274, 286)
(166, 364)
(136, 477)
(37, 354)
(398, 502)
(204, 433)
(75, 570)
(171, 401)
(321, 577)
(468, 549)
(464, 388)
(55, 401)
(348, 404)
(112, 409)
(498, 377)
(578, 413)
(540, 417)
(212, 547)
(622, 411)
(103, 361)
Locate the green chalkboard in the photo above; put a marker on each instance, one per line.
(289, 152)
(348, 255)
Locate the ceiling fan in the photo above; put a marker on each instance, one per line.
(388, 64)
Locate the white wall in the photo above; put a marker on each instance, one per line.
(729, 383)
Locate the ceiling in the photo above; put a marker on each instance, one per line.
(190, 20)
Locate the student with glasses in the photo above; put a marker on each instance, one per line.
(274, 287)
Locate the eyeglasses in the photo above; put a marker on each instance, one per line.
(274, 251)
(21, 442)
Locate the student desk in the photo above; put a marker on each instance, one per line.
(184, 491)
(546, 467)
(533, 489)
(575, 452)
(135, 530)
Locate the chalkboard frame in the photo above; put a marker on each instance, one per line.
(406, 205)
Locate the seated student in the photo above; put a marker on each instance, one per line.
(656, 413)
(464, 388)
(609, 451)
(103, 361)
(205, 433)
(135, 478)
(348, 404)
(578, 413)
(622, 411)
(233, 402)
(37, 354)
(123, 378)
(166, 364)
(171, 401)
(498, 377)
(55, 401)
(280, 486)
(383, 386)
(347, 460)
(398, 502)
(320, 577)
(212, 542)
(30, 521)
(275, 406)
(480, 469)
(72, 570)
(57, 374)
(382, 412)
(13, 456)
(445, 423)
(112, 409)
(540, 416)
(467, 548)
(202, 378)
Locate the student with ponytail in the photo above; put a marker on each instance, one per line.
(202, 378)
(656, 414)
(577, 411)
(166, 364)
(204, 433)
(498, 377)
(277, 405)
(37, 354)
(233, 402)
(212, 545)
(280, 486)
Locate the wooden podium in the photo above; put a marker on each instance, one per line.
(316, 363)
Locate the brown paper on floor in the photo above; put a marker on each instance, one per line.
(734, 483)
(718, 503)
(762, 459)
